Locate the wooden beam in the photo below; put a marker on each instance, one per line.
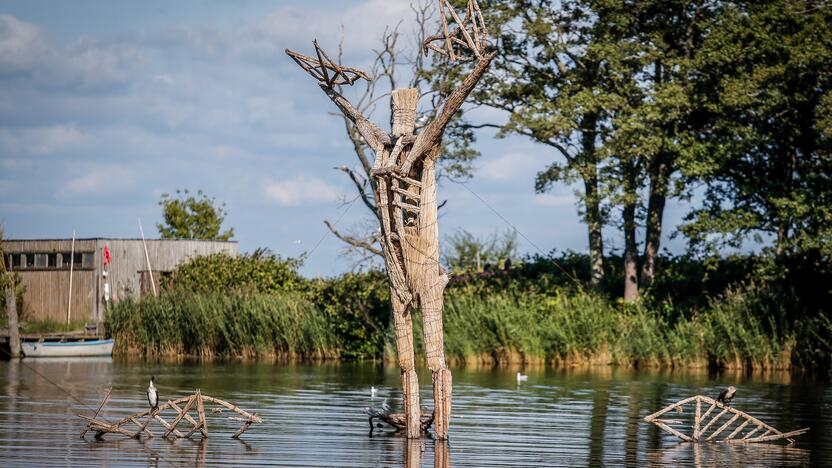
(723, 427)
(180, 416)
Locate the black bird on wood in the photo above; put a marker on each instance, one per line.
(152, 395)
(727, 395)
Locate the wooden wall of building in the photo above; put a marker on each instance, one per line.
(47, 295)
(47, 288)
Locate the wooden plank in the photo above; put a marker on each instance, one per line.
(784, 435)
(737, 430)
(664, 410)
(752, 432)
(187, 416)
(203, 423)
(723, 427)
(712, 421)
(167, 426)
(180, 416)
(98, 410)
(670, 430)
(697, 419)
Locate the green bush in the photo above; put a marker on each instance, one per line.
(357, 308)
(261, 271)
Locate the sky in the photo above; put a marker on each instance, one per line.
(105, 106)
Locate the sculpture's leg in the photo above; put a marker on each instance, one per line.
(432, 289)
(410, 381)
(435, 352)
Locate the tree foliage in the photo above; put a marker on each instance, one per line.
(260, 271)
(464, 252)
(766, 86)
(192, 217)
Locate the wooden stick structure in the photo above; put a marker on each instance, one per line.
(701, 424)
(196, 402)
(405, 192)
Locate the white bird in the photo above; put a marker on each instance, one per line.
(522, 378)
(152, 395)
(373, 391)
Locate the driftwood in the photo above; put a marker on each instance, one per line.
(397, 421)
(701, 424)
(191, 402)
(404, 189)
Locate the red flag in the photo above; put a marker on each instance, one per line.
(107, 258)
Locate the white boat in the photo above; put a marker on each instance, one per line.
(67, 348)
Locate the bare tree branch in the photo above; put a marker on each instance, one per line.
(353, 241)
(361, 184)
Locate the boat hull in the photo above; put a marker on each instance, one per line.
(67, 349)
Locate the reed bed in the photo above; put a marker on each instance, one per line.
(207, 325)
(561, 328)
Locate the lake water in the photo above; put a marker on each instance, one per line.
(314, 416)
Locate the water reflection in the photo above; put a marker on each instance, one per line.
(720, 455)
(314, 416)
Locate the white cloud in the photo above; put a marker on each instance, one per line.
(300, 190)
(40, 140)
(510, 167)
(86, 63)
(98, 179)
(548, 199)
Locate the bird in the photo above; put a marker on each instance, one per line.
(152, 394)
(727, 395)
(521, 377)
(373, 391)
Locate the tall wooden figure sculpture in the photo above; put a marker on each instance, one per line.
(404, 185)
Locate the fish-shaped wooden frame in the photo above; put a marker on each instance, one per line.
(701, 424)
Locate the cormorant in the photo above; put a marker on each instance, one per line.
(727, 395)
(152, 395)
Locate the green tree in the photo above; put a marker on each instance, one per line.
(547, 79)
(462, 251)
(767, 86)
(192, 217)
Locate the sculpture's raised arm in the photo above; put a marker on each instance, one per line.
(329, 75)
(459, 44)
(432, 134)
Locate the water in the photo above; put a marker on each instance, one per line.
(314, 416)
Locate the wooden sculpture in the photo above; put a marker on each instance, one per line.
(195, 402)
(701, 424)
(404, 186)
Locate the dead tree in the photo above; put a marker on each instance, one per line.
(404, 188)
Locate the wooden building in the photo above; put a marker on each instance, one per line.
(44, 266)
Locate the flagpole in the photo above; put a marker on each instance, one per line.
(71, 268)
(147, 257)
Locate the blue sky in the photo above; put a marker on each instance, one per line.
(106, 105)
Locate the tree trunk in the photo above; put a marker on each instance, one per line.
(630, 245)
(594, 224)
(14, 331)
(592, 200)
(659, 179)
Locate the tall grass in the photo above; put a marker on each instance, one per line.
(214, 324)
(562, 328)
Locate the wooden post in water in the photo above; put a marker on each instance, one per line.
(404, 186)
(7, 284)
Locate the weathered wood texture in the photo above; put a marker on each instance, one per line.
(404, 186)
(195, 402)
(47, 288)
(14, 324)
(701, 424)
